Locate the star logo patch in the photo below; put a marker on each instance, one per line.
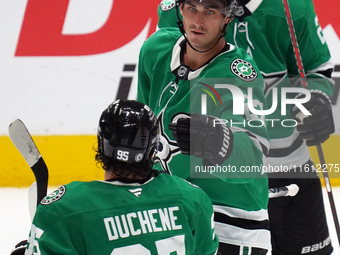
(243, 69)
(167, 5)
(54, 196)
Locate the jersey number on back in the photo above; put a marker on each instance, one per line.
(164, 247)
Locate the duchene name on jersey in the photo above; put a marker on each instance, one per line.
(142, 222)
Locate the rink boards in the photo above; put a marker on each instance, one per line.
(71, 158)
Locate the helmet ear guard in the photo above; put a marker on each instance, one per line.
(128, 132)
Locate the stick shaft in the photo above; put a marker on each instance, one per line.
(304, 83)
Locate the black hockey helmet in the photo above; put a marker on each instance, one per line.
(128, 131)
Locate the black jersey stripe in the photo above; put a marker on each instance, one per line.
(241, 223)
(264, 148)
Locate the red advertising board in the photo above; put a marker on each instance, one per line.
(41, 31)
(328, 13)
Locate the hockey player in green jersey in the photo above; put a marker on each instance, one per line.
(136, 210)
(175, 74)
(297, 223)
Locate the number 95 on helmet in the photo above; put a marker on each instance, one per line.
(128, 132)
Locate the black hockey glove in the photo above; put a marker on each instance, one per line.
(203, 136)
(315, 128)
(19, 248)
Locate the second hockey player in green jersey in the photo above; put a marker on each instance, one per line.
(261, 28)
(174, 88)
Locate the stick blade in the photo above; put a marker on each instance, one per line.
(23, 141)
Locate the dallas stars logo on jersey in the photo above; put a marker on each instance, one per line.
(167, 5)
(54, 196)
(243, 69)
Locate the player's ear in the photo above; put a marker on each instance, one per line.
(181, 8)
(227, 20)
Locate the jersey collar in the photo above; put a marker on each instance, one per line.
(182, 71)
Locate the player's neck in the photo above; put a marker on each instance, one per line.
(110, 175)
(195, 59)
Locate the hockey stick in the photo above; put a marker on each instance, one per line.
(23, 141)
(286, 191)
(32, 199)
(304, 83)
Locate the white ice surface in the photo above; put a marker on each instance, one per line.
(15, 220)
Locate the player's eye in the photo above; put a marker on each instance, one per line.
(192, 9)
(210, 12)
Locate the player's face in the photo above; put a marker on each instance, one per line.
(202, 24)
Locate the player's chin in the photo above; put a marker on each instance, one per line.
(200, 46)
(197, 42)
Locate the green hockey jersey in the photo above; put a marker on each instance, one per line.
(168, 95)
(265, 36)
(164, 215)
(170, 88)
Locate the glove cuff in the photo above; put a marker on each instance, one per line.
(321, 94)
